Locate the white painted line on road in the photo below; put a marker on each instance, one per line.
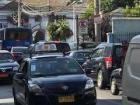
(6, 101)
(112, 102)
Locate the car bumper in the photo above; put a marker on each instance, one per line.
(86, 98)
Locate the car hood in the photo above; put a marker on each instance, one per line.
(9, 64)
(54, 83)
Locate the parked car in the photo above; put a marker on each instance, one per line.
(59, 81)
(8, 66)
(79, 55)
(131, 73)
(19, 52)
(105, 58)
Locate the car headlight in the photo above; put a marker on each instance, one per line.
(89, 84)
(15, 68)
(34, 88)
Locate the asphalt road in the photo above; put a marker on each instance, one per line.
(104, 97)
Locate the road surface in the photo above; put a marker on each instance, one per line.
(104, 97)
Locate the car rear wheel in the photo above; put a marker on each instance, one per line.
(114, 88)
(100, 82)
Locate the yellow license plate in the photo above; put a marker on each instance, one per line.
(65, 99)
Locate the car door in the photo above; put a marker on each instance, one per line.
(20, 82)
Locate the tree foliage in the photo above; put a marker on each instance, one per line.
(59, 30)
(89, 10)
(109, 5)
(133, 11)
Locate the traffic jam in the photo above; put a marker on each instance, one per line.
(50, 73)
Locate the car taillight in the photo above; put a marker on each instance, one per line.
(108, 62)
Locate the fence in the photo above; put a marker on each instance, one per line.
(119, 37)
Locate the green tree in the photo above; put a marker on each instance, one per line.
(89, 10)
(59, 30)
(133, 11)
(109, 5)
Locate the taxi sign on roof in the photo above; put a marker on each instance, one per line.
(45, 47)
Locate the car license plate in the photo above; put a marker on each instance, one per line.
(64, 99)
(4, 75)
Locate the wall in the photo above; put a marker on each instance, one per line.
(125, 25)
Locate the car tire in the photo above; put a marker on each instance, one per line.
(100, 82)
(15, 100)
(114, 88)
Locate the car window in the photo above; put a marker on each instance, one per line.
(23, 50)
(118, 51)
(134, 63)
(82, 55)
(55, 66)
(5, 56)
(108, 51)
(98, 53)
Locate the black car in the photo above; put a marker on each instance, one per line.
(52, 80)
(79, 55)
(116, 81)
(116, 75)
(8, 66)
(106, 57)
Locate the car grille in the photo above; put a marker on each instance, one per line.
(52, 94)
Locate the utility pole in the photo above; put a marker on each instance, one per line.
(74, 23)
(19, 13)
(77, 31)
(97, 25)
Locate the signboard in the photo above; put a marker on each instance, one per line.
(45, 47)
(98, 20)
(83, 27)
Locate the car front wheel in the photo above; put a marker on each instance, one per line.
(114, 88)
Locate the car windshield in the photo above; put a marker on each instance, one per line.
(55, 66)
(23, 50)
(5, 56)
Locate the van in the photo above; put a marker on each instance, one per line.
(131, 73)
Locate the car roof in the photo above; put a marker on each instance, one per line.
(135, 39)
(4, 51)
(19, 47)
(81, 51)
(108, 44)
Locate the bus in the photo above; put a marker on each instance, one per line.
(10, 37)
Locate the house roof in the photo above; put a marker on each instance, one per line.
(40, 3)
(114, 13)
(10, 6)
